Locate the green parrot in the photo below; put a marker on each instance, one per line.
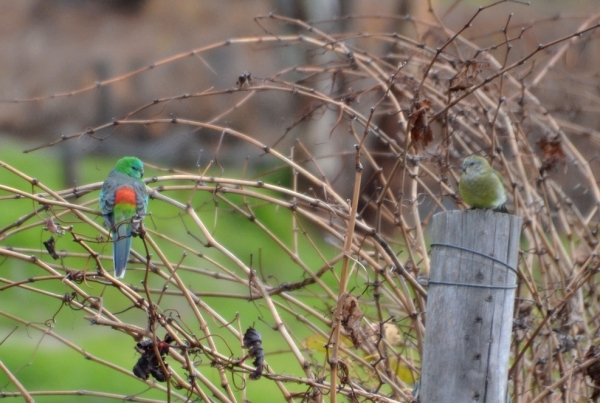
(481, 186)
(123, 197)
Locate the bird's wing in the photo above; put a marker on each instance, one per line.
(141, 197)
(107, 198)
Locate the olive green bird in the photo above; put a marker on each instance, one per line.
(480, 186)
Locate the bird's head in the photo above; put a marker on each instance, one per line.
(475, 164)
(131, 166)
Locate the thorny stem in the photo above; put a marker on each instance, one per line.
(349, 239)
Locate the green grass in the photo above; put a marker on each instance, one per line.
(42, 363)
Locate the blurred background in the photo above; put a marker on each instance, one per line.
(71, 65)
(65, 45)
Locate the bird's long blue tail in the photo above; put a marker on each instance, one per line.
(121, 248)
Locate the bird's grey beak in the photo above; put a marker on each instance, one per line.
(142, 172)
(463, 167)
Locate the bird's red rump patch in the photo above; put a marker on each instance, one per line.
(125, 195)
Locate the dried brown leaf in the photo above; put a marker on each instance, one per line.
(420, 130)
(244, 80)
(50, 245)
(552, 152)
(468, 72)
(351, 316)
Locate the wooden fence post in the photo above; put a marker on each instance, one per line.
(474, 256)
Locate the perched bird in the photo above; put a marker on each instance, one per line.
(480, 186)
(122, 197)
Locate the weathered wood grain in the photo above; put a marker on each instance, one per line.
(470, 306)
